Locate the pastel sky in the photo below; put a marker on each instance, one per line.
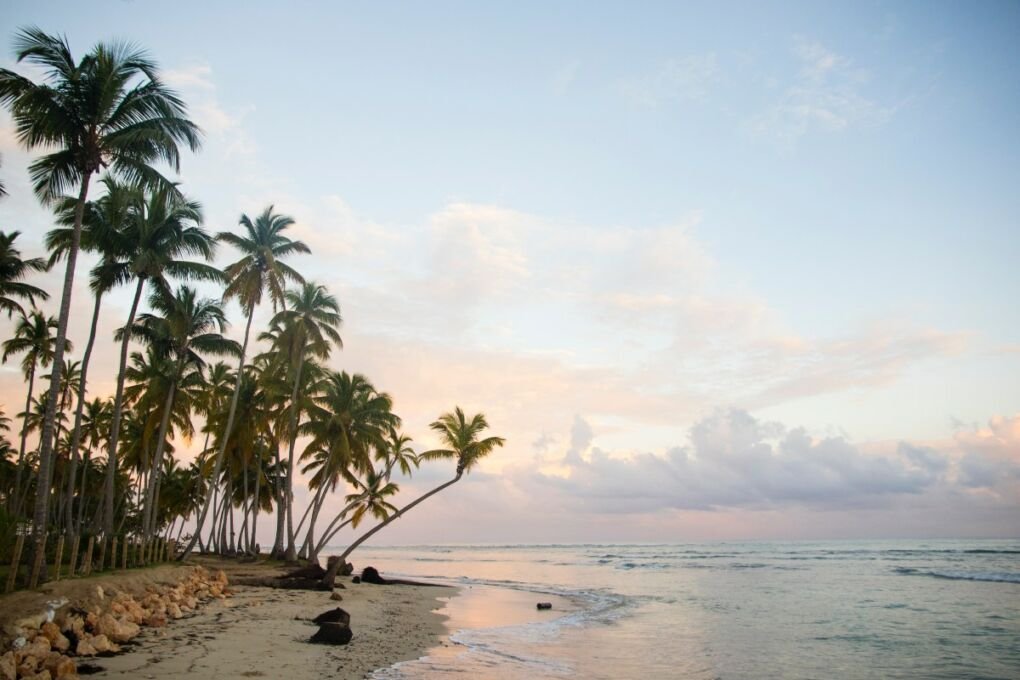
(728, 270)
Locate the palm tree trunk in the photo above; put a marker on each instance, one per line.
(280, 509)
(42, 495)
(69, 525)
(256, 502)
(156, 467)
(331, 574)
(291, 548)
(24, 435)
(118, 406)
(218, 467)
(81, 493)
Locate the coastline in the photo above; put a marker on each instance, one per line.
(258, 631)
(263, 632)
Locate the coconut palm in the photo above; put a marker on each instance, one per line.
(349, 422)
(184, 328)
(164, 229)
(309, 327)
(261, 269)
(94, 430)
(12, 270)
(103, 224)
(34, 336)
(109, 110)
(461, 437)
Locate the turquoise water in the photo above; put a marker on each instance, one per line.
(887, 609)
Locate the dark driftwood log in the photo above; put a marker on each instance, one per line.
(277, 582)
(371, 575)
(337, 615)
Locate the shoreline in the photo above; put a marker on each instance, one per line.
(256, 631)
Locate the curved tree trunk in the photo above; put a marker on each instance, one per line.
(331, 574)
(220, 455)
(69, 524)
(42, 495)
(118, 406)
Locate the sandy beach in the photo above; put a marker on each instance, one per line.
(259, 631)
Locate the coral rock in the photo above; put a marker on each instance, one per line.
(8, 667)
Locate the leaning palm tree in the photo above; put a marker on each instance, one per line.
(33, 336)
(310, 327)
(109, 110)
(260, 269)
(184, 328)
(460, 435)
(12, 270)
(163, 230)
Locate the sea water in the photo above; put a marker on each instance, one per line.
(883, 609)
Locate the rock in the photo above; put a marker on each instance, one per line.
(8, 667)
(58, 641)
(174, 610)
(60, 666)
(39, 648)
(102, 645)
(118, 630)
(545, 605)
(333, 634)
(356, 579)
(155, 621)
(337, 615)
(41, 675)
(371, 575)
(85, 648)
(335, 596)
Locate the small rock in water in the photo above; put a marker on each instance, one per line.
(545, 605)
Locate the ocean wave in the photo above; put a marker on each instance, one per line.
(993, 576)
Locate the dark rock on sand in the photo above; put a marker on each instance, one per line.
(356, 579)
(337, 615)
(545, 605)
(371, 575)
(333, 634)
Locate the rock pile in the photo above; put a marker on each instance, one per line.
(45, 652)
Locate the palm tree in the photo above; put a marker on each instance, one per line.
(12, 270)
(461, 437)
(110, 110)
(351, 419)
(184, 328)
(95, 426)
(260, 269)
(103, 225)
(163, 230)
(33, 336)
(310, 327)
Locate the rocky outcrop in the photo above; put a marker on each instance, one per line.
(48, 650)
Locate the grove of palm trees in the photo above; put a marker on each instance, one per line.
(201, 439)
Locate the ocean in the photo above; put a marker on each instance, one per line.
(840, 609)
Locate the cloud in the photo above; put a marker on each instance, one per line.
(688, 78)
(827, 95)
(224, 129)
(735, 461)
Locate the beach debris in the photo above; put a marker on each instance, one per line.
(371, 575)
(356, 579)
(337, 615)
(335, 596)
(544, 605)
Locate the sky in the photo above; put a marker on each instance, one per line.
(716, 271)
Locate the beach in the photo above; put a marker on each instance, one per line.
(256, 631)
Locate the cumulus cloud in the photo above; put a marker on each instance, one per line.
(734, 460)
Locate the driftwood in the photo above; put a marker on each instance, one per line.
(309, 577)
(371, 575)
